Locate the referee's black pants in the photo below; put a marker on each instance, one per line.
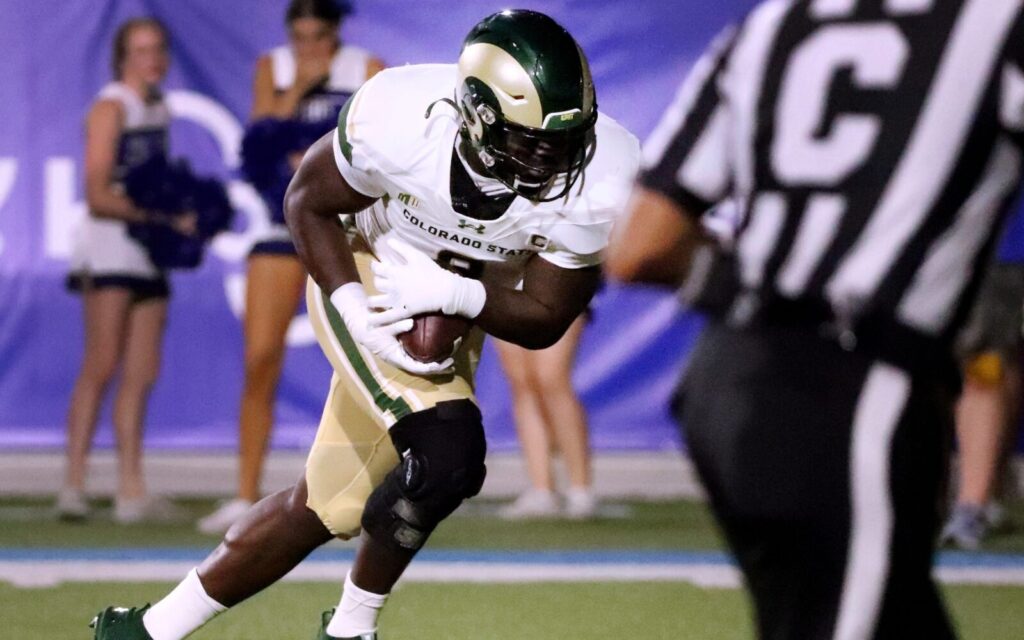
(826, 470)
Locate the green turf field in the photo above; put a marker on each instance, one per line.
(662, 525)
(658, 525)
(491, 612)
(479, 611)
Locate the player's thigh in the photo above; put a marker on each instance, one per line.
(106, 312)
(515, 361)
(146, 322)
(767, 425)
(920, 453)
(274, 287)
(550, 369)
(350, 457)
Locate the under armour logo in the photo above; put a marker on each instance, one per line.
(466, 224)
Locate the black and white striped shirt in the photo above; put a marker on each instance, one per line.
(872, 147)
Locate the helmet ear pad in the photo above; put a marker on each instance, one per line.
(474, 125)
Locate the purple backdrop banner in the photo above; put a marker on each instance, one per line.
(56, 57)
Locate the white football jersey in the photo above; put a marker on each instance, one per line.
(386, 147)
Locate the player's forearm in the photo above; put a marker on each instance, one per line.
(106, 203)
(514, 316)
(284, 105)
(654, 243)
(315, 198)
(321, 244)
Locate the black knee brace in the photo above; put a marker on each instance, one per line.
(442, 452)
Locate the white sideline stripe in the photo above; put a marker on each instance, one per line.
(35, 574)
(27, 574)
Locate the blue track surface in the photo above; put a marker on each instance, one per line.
(568, 557)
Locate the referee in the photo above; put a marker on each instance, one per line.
(872, 148)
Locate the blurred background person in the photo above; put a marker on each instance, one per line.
(988, 411)
(124, 295)
(298, 91)
(549, 419)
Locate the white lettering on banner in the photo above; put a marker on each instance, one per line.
(63, 212)
(8, 174)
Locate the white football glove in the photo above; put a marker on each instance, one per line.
(381, 340)
(420, 285)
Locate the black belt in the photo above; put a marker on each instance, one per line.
(877, 337)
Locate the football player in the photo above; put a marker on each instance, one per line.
(500, 166)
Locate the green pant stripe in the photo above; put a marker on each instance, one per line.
(396, 406)
(343, 143)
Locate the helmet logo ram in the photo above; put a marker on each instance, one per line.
(526, 100)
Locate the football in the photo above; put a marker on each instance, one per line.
(434, 336)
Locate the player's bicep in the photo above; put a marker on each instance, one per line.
(263, 90)
(102, 131)
(319, 189)
(564, 292)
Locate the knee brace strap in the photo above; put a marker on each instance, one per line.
(443, 452)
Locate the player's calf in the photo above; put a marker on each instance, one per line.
(442, 464)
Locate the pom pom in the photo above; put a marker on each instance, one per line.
(173, 190)
(266, 150)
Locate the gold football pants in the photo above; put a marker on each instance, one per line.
(352, 452)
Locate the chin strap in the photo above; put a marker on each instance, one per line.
(447, 101)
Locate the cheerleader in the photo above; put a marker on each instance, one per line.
(549, 419)
(303, 84)
(124, 295)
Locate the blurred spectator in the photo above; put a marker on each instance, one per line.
(298, 91)
(124, 295)
(549, 418)
(987, 413)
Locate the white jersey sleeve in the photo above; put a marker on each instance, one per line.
(351, 149)
(382, 135)
(578, 241)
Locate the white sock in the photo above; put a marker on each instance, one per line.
(182, 611)
(357, 612)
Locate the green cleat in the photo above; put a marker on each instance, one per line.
(118, 623)
(325, 619)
